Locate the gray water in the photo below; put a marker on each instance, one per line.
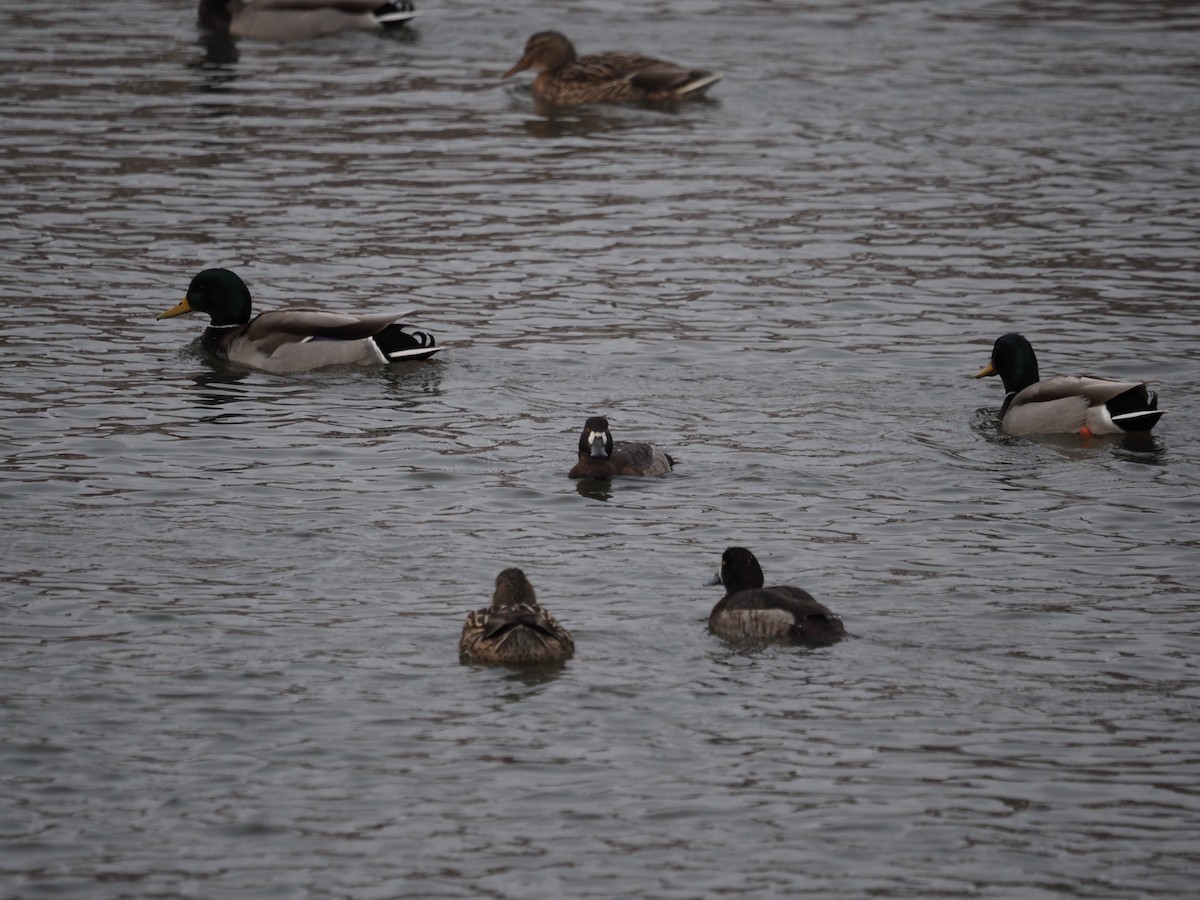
(231, 601)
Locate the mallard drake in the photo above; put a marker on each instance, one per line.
(599, 457)
(296, 20)
(613, 77)
(1065, 403)
(514, 630)
(293, 340)
(749, 611)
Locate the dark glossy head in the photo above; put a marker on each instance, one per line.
(512, 589)
(546, 51)
(739, 571)
(220, 294)
(1014, 361)
(595, 441)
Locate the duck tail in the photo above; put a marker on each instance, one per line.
(819, 629)
(699, 84)
(394, 13)
(396, 344)
(1135, 409)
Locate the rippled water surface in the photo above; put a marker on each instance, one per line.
(231, 601)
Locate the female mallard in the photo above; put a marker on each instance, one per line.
(749, 611)
(614, 77)
(514, 630)
(293, 340)
(599, 457)
(1065, 403)
(295, 20)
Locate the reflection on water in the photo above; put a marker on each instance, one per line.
(1135, 446)
(594, 488)
(220, 56)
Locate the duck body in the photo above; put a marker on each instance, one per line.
(515, 629)
(294, 340)
(601, 457)
(296, 20)
(565, 79)
(1065, 404)
(751, 612)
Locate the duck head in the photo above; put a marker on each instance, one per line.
(596, 441)
(218, 292)
(1014, 361)
(739, 571)
(546, 51)
(513, 589)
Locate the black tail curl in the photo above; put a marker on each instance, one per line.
(1136, 409)
(395, 339)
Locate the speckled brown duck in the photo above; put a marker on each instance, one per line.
(515, 630)
(566, 79)
(751, 612)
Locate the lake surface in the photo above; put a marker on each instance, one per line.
(231, 601)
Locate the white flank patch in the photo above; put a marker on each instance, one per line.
(756, 623)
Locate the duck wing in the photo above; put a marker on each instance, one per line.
(772, 613)
(352, 7)
(294, 20)
(1067, 403)
(797, 601)
(1097, 391)
(313, 323)
(296, 340)
(630, 458)
(500, 622)
(654, 76)
(601, 67)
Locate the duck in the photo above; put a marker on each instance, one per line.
(749, 611)
(1065, 404)
(515, 629)
(297, 20)
(565, 79)
(293, 340)
(600, 457)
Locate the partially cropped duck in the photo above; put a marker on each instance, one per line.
(749, 611)
(601, 457)
(1065, 404)
(565, 79)
(514, 630)
(297, 20)
(293, 340)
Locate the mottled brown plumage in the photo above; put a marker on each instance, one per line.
(751, 612)
(565, 79)
(515, 629)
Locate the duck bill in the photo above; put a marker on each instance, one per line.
(987, 370)
(598, 449)
(716, 579)
(182, 308)
(521, 66)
